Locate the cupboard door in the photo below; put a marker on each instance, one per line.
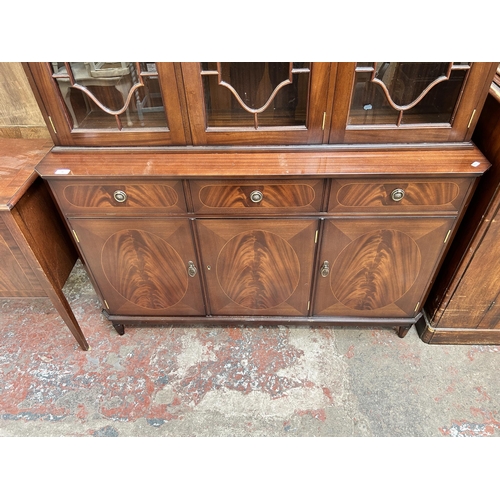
(142, 267)
(110, 104)
(408, 102)
(258, 267)
(378, 268)
(257, 103)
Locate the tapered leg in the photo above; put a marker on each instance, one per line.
(402, 331)
(119, 328)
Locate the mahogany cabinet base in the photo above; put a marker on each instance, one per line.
(119, 322)
(435, 334)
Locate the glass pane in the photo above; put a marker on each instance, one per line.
(369, 105)
(252, 85)
(108, 86)
(439, 104)
(406, 85)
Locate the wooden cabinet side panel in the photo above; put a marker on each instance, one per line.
(469, 270)
(472, 304)
(17, 279)
(42, 226)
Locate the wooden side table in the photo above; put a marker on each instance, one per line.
(36, 253)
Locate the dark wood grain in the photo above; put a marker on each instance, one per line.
(144, 269)
(140, 266)
(232, 196)
(258, 266)
(258, 270)
(98, 196)
(354, 195)
(379, 267)
(375, 270)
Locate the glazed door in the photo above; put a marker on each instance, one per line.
(142, 267)
(110, 103)
(258, 267)
(408, 102)
(378, 268)
(257, 103)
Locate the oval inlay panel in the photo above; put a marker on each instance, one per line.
(416, 193)
(144, 269)
(138, 195)
(258, 270)
(375, 270)
(274, 196)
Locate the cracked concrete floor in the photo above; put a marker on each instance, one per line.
(279, 381)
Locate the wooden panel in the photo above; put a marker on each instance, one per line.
(24, 133)
(20, 116)
(378, 268)
(283, 165)
(38, 219)
(473, 304)
(141, 196)
(354, 195)
(17, 279)
(18, 158)
(141, 266)
(258, 267)
(463, 304)
(215, 196)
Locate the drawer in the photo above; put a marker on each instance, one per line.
(119, 197)
(393, 195)
(251, 197)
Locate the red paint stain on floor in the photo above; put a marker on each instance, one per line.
(317, 414)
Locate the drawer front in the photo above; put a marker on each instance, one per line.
(251, 197)
(118, 197)
(393, 195)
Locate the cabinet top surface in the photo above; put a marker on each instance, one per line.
(18, 159)
(104, 163)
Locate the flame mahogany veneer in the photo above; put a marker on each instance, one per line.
(324, 241)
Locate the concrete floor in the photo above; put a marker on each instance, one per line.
(283, 381)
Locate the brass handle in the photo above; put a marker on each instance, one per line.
(256, 196)
(192, 269)
(325, 269)
(120, 196)
(398, 194)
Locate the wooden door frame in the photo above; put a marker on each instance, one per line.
(472, 98)
(60, 126)
(322, 79)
